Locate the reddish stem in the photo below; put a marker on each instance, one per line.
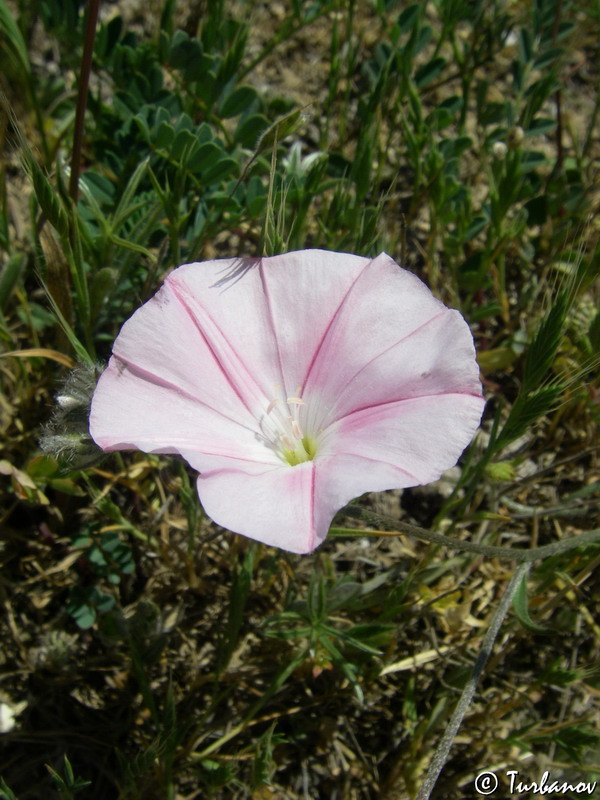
(84, 80)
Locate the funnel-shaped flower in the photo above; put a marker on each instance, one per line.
(292, 384)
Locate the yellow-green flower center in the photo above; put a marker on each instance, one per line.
(305, 451)
(281, 430)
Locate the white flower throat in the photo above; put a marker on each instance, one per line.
(282, 429)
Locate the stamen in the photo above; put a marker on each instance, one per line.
(282, 432)
(297, 430)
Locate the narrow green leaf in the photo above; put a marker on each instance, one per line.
(525, 46)
(47, 196)
(421, 40)
(9, 277)
(525, 411)
(540, 125)
(142, 125)
(78, 273)
(594, 333)
(69, 771)
(129, 245)
(99, 215)
(102, 189)
(532, 159)
(102, 282)
(361, 169)
(544, 346)
(476, 225)
(14, 37)
(343, 594)
(6, 793)
(521, 606)
(545, 59)
(159, 189)
(238, 595)
(316, 599)
(80, 351)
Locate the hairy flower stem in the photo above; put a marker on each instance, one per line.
(84, 80)
(524, 556)
(443, 748)
(518, 554)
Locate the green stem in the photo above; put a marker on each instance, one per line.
(443, 748)
(518, 554)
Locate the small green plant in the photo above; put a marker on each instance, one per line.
(67, 785)
(108, 559)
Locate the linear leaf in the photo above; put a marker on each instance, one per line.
(124, 208)
(521, 606)
(525, 411)
(47, 196)
(240, 588)
(127, 245)
(14, 37)
(80, 351)
(545, 344)
(9, 276)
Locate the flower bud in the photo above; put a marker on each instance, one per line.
(516, 136)
(499, 150)
(66, 436)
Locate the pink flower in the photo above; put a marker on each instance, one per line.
(292, 384)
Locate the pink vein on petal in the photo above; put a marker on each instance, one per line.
(158, 380)
(237, 458)
(331, 322)
(374, 406)
(391, 347)
(379, 461)
(179, 295)
(207, 473)
(263, 281)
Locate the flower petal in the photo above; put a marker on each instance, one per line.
(270, 313)
(422, 436)
(229, 317)
(274, 506)
(292, 507)
(169, 385)
(385, 306)
(436, 358)
(165, 342)
(134, 409)
(303, 292)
